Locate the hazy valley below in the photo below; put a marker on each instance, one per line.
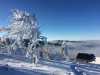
(75, 47)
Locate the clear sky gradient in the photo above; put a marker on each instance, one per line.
(61, 19)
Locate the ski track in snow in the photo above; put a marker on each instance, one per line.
(24, 66)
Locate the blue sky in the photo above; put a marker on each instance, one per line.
(61, 19)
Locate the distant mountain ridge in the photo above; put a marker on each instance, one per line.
(60, 41)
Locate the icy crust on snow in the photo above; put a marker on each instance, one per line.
(17, 65)
(22, 65)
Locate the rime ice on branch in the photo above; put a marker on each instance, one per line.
(24, 26)
(64, 51)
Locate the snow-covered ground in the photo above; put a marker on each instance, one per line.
(17, 65)
(97, 60)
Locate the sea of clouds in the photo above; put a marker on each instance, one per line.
(92, 47)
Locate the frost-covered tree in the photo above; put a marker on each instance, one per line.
(24, 26)
(64, 51)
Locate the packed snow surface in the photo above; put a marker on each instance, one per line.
(17, 65)
(97, 60)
